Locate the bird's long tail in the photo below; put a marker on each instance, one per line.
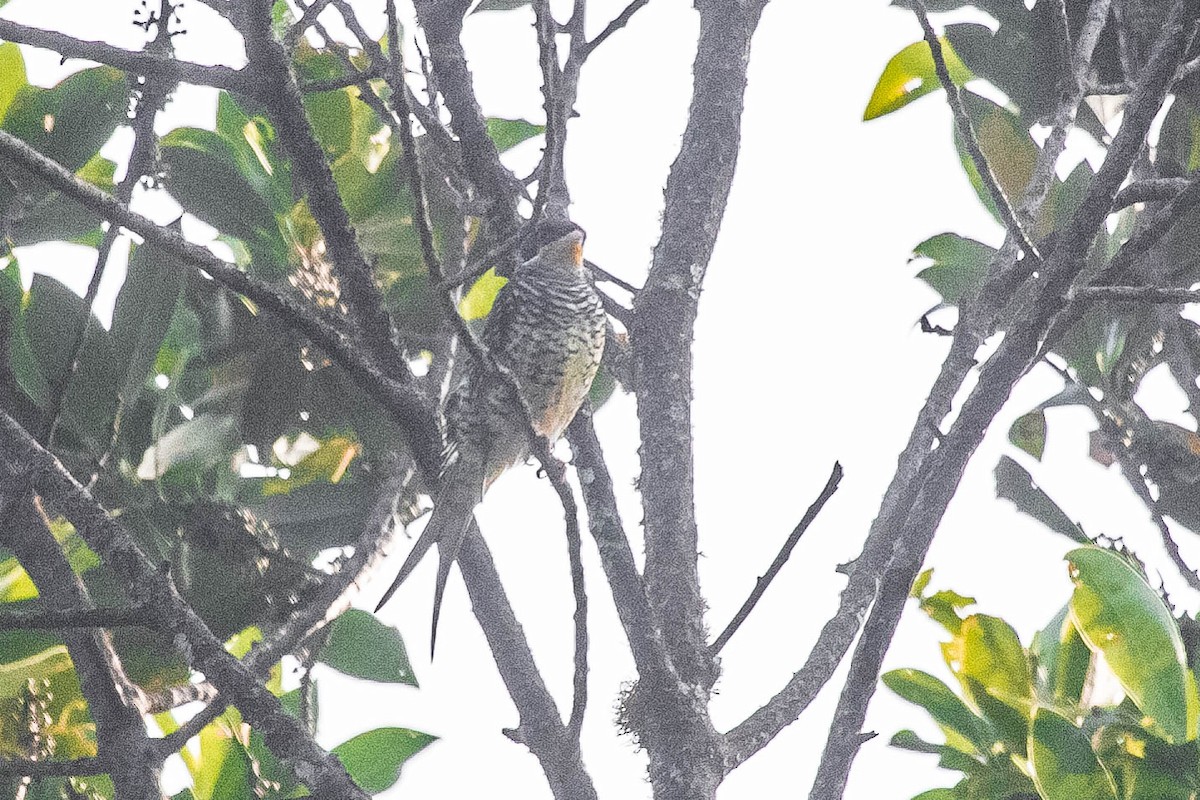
(462, 490)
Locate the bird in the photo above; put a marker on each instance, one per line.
(546, 330)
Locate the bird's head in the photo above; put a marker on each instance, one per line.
(555, 242)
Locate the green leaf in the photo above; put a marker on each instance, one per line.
(15, 675)
(910, 74)
(1062, 660)
(52, 316)
(988, 651)
(958, 266)
(1014, 483)
(22, 362)
(223, 771)
(362, 646)
(142, 315)
(950, 758)
(477, 302)
(198, 444)
(70, 122)
(939, 794)
(1120, 615)
(1065, 768)
(943, 607)
(508, 133)
(374, 758)
(202, 172)
(1006, 144)
(332, 118)
(12, 73)
(15, 583)
(946, 708)
(1028, 432)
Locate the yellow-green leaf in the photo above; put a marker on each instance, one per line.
(1120, 615)
(910, 74)
(478, 301)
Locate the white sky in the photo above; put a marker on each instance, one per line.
(806, 353)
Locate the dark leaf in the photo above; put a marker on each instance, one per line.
(362, 646)
(1014, 483)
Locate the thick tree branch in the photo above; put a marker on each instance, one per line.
(63, 618)
(665, 313)
(441, 21)
(148, 63)
(317, 769)
(129, 755)
(285, 106)
(696, 192)
(1150, 190)
(402, 401)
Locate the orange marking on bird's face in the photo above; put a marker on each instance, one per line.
(577, 252)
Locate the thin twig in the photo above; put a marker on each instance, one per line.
(970, 141)
(785, 552)
(621, 21)
(307, 19)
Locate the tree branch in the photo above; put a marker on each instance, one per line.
(281, 95)
(146, 63)
(866, 572)
(121, 738)
(323, 773)
(538, 444)
(63, 618)
(665, 313)
(1150, 190)
(831, 486)
(151, 99)
(45, 769)
(970, 142)
(403, 402)
(441, 20)
(617, 24)
(917, 521)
